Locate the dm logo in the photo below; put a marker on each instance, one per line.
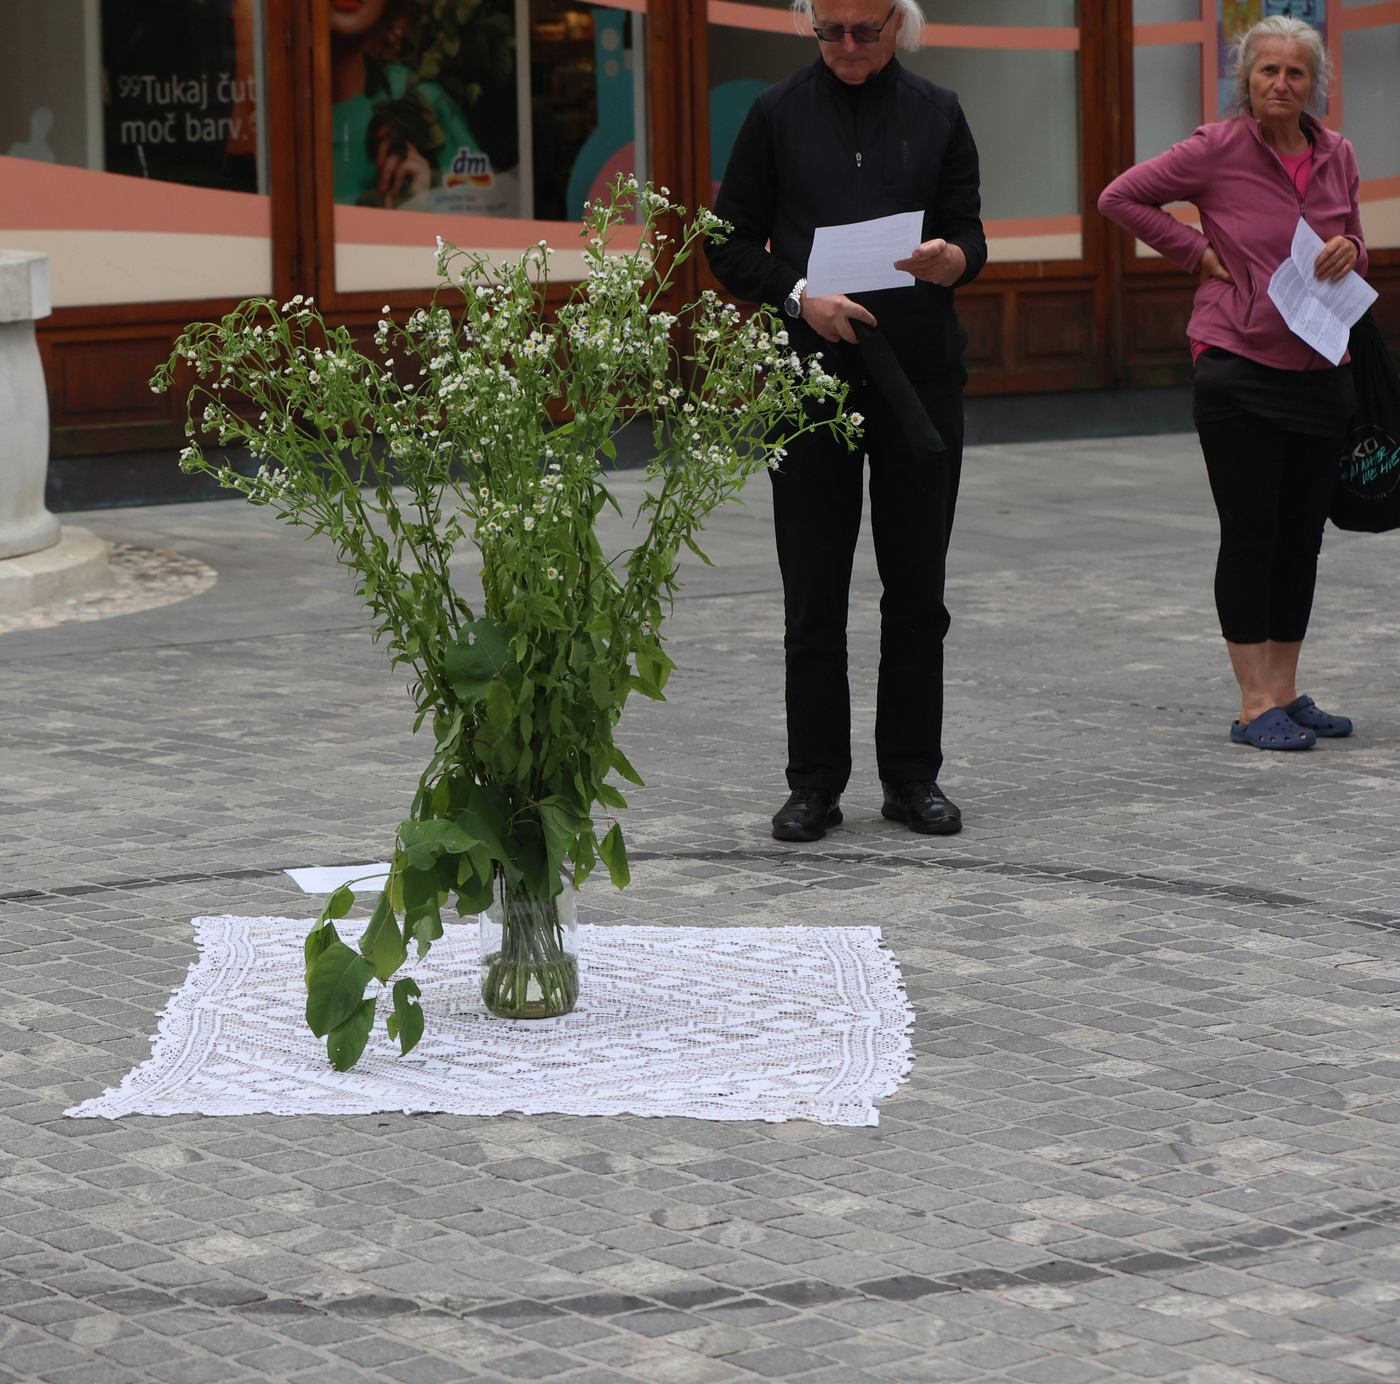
(471, 168)
(1371, 463)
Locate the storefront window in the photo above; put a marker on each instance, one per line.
(1166, 75)
(1370, 106)
(1181, 79)
(587, 103)
(180, 84)
(424, 106)
(138, 144)
(1014, 65)
(506, 121)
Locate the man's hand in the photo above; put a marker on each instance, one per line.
(1338, 259)
(1210, 267)
(830, 316)
(936, 262)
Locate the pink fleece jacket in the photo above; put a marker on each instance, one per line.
(1249, 210)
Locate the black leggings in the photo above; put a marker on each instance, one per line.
(1272, 489)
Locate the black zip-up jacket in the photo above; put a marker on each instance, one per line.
(801, 161)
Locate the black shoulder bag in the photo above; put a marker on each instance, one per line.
(1366, 497)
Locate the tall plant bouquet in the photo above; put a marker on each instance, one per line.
(524, 694)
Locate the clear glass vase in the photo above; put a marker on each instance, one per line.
(529, 953)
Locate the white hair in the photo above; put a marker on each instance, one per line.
(1244, 53)
(911, 36)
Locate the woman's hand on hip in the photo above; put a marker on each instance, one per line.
(1211, 267)
(1338, 258)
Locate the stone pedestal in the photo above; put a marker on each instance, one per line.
(39, 561)
(76, 563)
(25, 525)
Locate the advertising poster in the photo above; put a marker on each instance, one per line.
(180, 91)
(424, 113)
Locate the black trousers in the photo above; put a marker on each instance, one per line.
(1272, 489)
(817, 493)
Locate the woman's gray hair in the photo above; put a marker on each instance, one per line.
(911, 36)
(1245, 51)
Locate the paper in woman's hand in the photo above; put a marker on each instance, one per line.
(1316, 310)
(1346, 299)
(860, 257)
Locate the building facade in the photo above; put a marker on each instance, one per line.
(175, 156)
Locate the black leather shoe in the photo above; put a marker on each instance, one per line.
(923, 807)
(806, 815)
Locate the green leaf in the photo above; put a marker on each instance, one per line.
(335, 984)
(690, 543)
(488, 831)
(422, 896)
(540, 880)
(500, 705)
(346, 1041)
(317, 940)
(427, 928)
(600, 686)
(436, 836)
(475, 895)
(338, 905)
(614, 852)
(477, 659)
(382, 943)
(609, 796)
(406, 1022)
(623, 766)
(561, 824)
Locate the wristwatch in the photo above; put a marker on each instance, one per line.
(792, 304)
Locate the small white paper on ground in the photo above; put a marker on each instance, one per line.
(326, 879)
(859, 258)
(1307, 318)
(1346, 299)
(733, 1023)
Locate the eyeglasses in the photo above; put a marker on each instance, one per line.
(862, 33)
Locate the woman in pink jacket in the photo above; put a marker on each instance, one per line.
(1271, 413)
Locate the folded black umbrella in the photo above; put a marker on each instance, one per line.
(893, 383)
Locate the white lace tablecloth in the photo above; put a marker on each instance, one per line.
(747, 1023)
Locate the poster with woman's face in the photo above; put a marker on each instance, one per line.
(424, 105)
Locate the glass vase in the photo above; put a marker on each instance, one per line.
(529, 953)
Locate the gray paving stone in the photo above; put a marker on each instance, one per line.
(1154, 978)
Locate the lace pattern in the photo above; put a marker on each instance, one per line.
(745, 1023)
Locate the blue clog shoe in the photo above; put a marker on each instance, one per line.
(1273, 730)
(1306, 713)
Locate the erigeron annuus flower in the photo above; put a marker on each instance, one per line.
(552, 573)
(857, 419)
(529, 522)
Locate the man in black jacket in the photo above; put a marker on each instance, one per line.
(851, 138)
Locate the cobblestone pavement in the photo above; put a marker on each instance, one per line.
(1151, 1131)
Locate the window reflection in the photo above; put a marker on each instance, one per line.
(161, 89)
(587, 103)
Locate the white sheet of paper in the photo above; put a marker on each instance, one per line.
(1346, 299)
(1307, 317)
(326, 879)
(860, 257)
